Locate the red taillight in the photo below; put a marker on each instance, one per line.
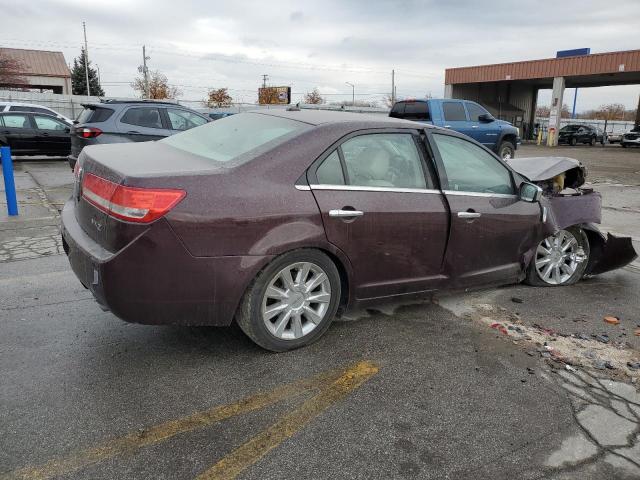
(134, 204)
(88, 132)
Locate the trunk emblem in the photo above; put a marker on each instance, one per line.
(96, 224)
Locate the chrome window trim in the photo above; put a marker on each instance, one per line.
(479, 194)
(305, 188)
(357, 188)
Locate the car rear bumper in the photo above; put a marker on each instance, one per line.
(154, 280)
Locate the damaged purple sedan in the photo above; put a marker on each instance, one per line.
(279, 220)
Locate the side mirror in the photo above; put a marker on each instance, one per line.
(486, 118)
(530, 192)
(67, 130)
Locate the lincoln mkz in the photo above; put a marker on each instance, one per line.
(281, 220)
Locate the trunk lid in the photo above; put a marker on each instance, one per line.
(141, 165)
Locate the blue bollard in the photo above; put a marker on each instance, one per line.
(9, 182)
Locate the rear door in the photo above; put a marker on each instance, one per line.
(484, 132)
(143, 123)
(491, 228)
(53, 135)
(455, 117)
(379, 206)
(20, 134)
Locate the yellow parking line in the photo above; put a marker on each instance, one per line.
(249, 453)
(159, 433)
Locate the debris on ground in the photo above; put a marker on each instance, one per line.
(517, 300)
(612, 320)
(563, 350)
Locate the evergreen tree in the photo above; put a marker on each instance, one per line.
(79, 79)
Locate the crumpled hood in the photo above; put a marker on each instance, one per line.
(540, 169)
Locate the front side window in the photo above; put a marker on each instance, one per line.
(475, 111)
(470, 168)
(16, 121)
(230, 137)
(383, 160)
(47, 123)
(143, 117)
(454, 112)
(183, 120)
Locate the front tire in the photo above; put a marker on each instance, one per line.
(292, 302)
(560, 259)
(507, 150)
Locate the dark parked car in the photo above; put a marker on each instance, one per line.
(283, 218)
(574, 134)
(118, 121)
(34, 134)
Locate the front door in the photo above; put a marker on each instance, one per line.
(482, 131)
(491, 228)
(379, 206)
(141, 124)
(455, 117)
(53, 135)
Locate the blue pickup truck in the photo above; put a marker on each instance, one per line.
(465, 117)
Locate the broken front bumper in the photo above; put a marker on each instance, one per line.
(607, 253)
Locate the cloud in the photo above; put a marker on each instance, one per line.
(200, 44)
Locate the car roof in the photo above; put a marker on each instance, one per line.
(321, 117)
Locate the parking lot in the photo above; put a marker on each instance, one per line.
(512, 382)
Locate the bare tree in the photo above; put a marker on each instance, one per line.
(611, 111)
(218, 98)
(542, 111)
(313, 97)
(159, 87)
(11, 73)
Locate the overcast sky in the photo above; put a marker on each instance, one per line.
(323, 44)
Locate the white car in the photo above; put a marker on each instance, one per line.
(632, 137)
(33, 108)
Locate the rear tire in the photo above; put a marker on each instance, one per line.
(281, 288)
(593, 141)
(507, 150)
(571, 261)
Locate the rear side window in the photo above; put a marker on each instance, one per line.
(398, 110)
(16, 121)
(475, 111)
(454, 112)
(231, 137)
(417, 111)
(184, 120)
(94, 115)
(330, 171)
(142, 117)
(24, 108)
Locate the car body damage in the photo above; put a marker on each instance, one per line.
(567, 202)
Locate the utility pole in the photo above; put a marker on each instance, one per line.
(353, 93)
(264, 80)
(393, 87)
(145, 71)
(86, 59)
(638, 112)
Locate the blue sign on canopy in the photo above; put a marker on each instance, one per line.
(576, 52)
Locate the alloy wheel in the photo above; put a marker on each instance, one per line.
(296, 300)
(558, 258)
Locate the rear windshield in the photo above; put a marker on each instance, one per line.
(94, 115)
(230, 137)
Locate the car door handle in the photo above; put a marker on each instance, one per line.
(345, 213)
(44, 134)
(469, 214)
(474, 126)
(133, 131)
(447, 126)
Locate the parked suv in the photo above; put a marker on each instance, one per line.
(631, 138)
(32, 108)
(575, 133)
(465, 117)
(120, 121)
